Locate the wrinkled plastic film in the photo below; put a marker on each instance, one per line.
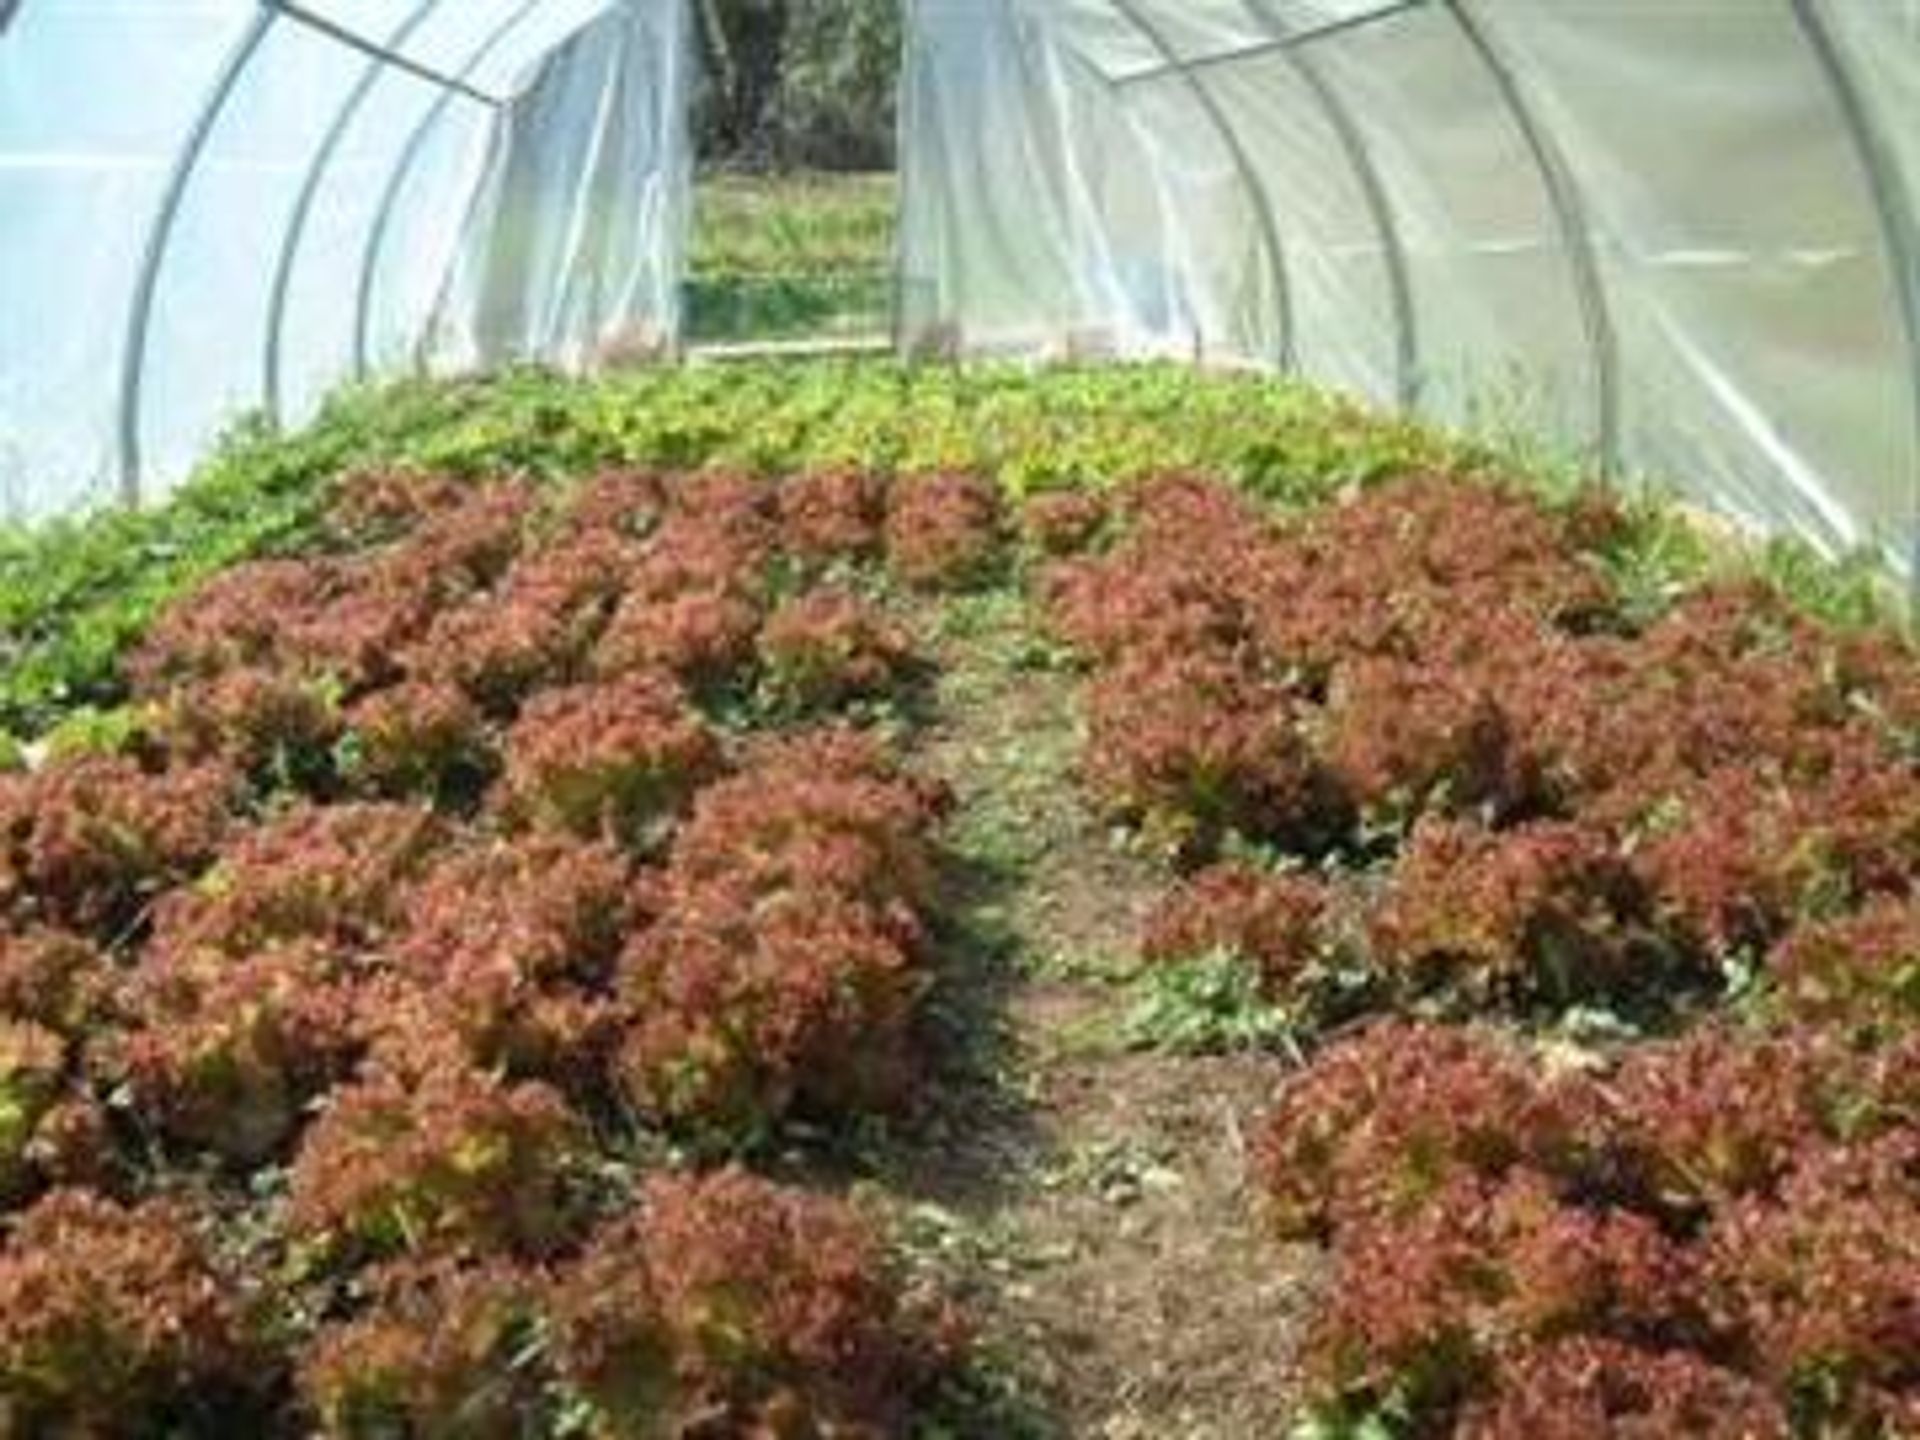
(1674, 239)
(187, 193)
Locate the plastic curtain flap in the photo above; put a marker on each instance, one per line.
(212, 207)
(580, 216)
(1676, 240)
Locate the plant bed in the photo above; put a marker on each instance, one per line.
(565, 889)
(590, 932)
(1662, 859)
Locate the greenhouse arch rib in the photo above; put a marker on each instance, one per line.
(1570, 215)
(384, 54)
(403, 168)
(154, 254)
(310, 189)
(1373, 190)
(1893, 206)
(1135, 16)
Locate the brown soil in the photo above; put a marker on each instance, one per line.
(1089, 1200)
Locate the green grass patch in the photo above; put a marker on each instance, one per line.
(789, 256)
(788, 307)
(785, 225)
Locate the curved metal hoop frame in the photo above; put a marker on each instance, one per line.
(1867, 131)
(140, 310)
(1893, 206)
(1570, 215)
(387, 54)
(1373, 190)
(309, 191)
(1243, 165)
(403, 170)
(186, 161)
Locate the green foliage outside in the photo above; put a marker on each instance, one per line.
(798, 83)
(835, 106)
(804, 223)
(75, 594)
(777, 257)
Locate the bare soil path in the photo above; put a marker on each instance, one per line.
(1090, 1197)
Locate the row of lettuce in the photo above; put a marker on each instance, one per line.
(76, 593)
(382, 993)
(1627, 1140)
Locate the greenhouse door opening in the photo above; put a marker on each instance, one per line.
(796, 194)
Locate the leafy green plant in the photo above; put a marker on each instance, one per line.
(1386, 1420)
(1206, 1006)
(92, 730)
(1852, 592)
(77, 593)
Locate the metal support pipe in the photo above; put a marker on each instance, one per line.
(905, 114)
(1293, 40)
(1242, 163)
(386, 54)
(1564, 197)
(133, 355)
(1893, 207)
(309, 190)
(1379, 205)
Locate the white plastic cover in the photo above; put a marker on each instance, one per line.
(208, 206)
(1678, 237)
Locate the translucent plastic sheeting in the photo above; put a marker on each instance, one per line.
(1039, 214)
(212, 206)
(579, 215)
(1676, 238)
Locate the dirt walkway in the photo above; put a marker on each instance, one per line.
(1091, 1196)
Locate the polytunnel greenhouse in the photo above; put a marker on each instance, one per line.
(848, 719)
